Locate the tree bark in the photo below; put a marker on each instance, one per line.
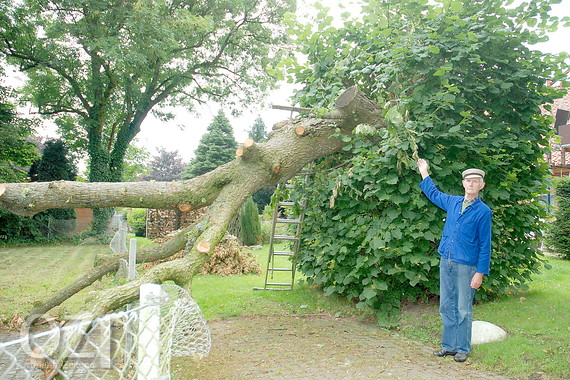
(224, 190)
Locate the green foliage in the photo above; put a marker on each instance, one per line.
(98, 68)
(460, 88)
(217, 147)
(16, 151)
(258, 132)
(135, 166)
(166, 166)
(250, 223)
(136, 218)
(262, 197)
(16, 228)
(558, 238)
(54, 165)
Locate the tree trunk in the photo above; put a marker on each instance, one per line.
(290, 147)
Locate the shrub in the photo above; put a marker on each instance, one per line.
(136, 218)
(250, 224)
(16, 228)
(558, 238)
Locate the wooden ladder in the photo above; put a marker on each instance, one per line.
(294, 238)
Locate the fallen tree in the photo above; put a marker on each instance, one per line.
(290, 147)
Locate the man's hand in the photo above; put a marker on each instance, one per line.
(477, 280)
(423, 167)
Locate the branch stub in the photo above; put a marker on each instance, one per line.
(203, 246)
(185, 207)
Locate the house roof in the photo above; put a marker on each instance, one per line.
(559, 158)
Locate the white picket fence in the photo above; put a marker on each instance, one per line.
(134, 344)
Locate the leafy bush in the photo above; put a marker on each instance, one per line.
(558, 238)
(460, 88)
(136, 218)
(250, 223)
(16, 228)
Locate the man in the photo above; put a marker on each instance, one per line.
(465, 250)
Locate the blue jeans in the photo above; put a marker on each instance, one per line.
(456, 305)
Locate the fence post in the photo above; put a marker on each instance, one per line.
(132, 260)
(149, 333)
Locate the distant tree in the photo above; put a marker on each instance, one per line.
(258, 131)
(56, 164)
(217, 147)
(166, 166)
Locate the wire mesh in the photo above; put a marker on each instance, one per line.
(138, 343)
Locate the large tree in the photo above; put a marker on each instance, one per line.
(99, 67)
(462, 87)
(217, 147)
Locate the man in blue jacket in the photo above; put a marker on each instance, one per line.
(465, 251)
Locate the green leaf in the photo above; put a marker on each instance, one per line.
(434, 49)
(368, 293)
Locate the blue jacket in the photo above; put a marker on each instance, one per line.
(466, 237)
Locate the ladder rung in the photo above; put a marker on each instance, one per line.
(286, 204)
(290, 221)
(289, 186)
(273, 288)
(285, 237)
(279, 284)
(283, 253)
(280, 269)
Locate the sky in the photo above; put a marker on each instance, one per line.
(184, 132)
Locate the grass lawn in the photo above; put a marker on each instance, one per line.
(29, 273)
(221, 297)
(537, 321)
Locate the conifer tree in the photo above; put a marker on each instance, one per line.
(217, 147)
(56, 164)
(258, 131)
(250, 224)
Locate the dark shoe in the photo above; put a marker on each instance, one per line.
(460, 357)
(441, 353)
